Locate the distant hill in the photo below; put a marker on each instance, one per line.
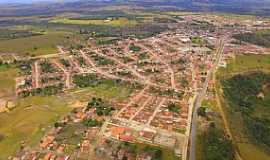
(255, 7)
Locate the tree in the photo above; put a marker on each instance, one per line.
(201, 111)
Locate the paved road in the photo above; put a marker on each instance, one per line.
(198, 101)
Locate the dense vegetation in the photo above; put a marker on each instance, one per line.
(47, 67)
(6, 34)
(46, 91)
(215, 145)
(249, 96)
(102, 108)
(134, 48)
(173, 107)
(92, 123)
(261, 38)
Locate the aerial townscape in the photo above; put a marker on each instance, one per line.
(134, 80)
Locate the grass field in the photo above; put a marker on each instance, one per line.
(119, 22)
(7, 81)
(36, 45)
(167, 154)
(28, 121)
(244, 64)
(105, 91)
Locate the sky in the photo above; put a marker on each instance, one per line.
(26, 1)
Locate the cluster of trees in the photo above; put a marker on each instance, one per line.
(48, 79)
(174, 108)
(164, 20)
(81, 61)
(65, 62)
(242, 93)
(168, 92)
(106, 41)
(261, 38)
(216, 146)
(89, 80)
(6, 34)
(46, 91)
(102, 108)
(134, 48)
(198, 40)
(143, 56)
(92, 123)
(202, 25)
(47, 67)
(156, 153)
(103, 61)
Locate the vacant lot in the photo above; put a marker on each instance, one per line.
(7, 80)
(28, 122)
(246, 63)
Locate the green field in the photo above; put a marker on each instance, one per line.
(167, 154)
(36, 45)
(105, 91)
(28, 121)
(119, 22)
(247, 145)
(246, 63)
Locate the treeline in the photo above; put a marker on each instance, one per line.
(6, 34)
(46, 91)
(261, 38)
(247, 94)
(92, 80)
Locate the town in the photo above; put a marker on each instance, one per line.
(170, 74)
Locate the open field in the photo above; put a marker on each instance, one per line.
(36, 45)
(118, 22)
(7, 81)
(106, 91)
(167, 154)
(241, 130)
(245, 63)
(28, 121)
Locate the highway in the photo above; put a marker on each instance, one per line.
(198, 100)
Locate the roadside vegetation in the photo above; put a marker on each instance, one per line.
(212, 142)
